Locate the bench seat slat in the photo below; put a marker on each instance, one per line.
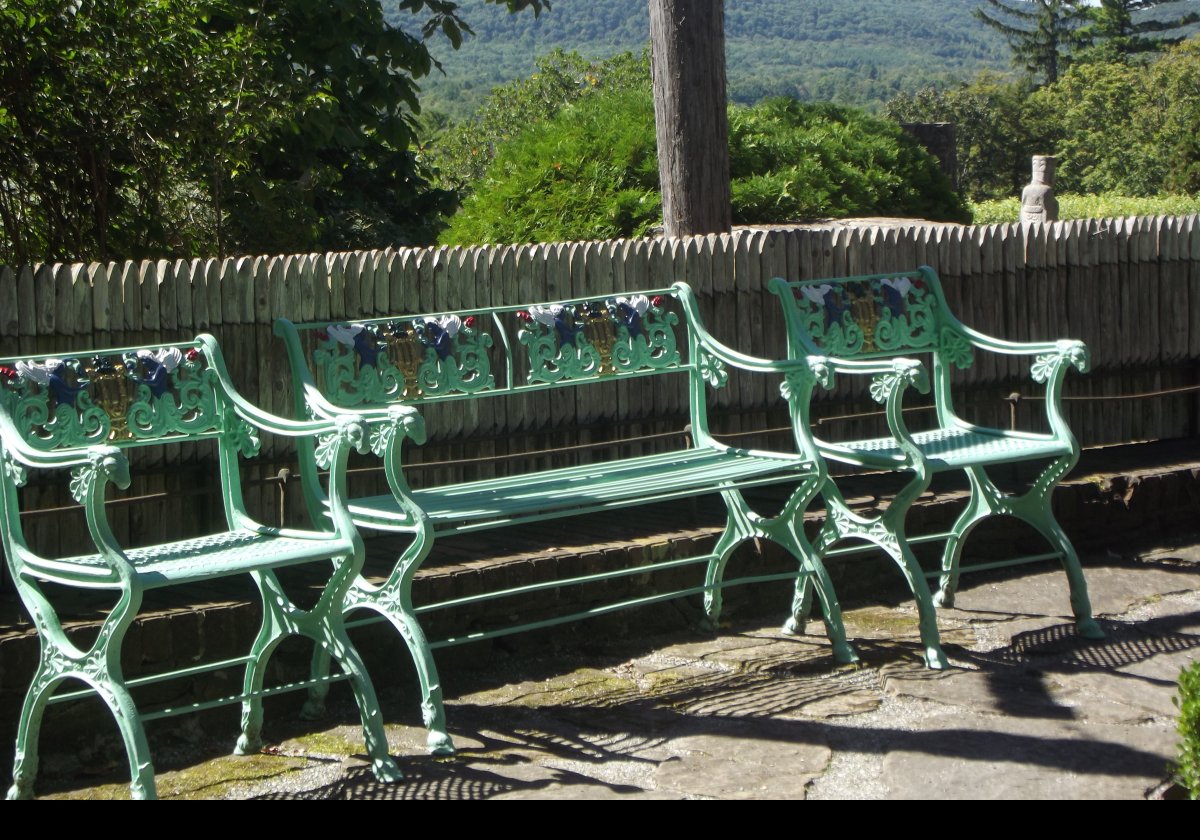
(601, 484)
(211, 556)
(949, 449)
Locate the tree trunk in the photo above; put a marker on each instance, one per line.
(688, 68)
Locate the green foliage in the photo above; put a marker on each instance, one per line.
(142, 128)
(1135, 26)
(1042, 34)
(462, 154)
(792, 162)
(996, 131)
(1097, 109)
(1115, 126)
(1102, 206)
(104, 108)
(1187, 766)
(591, 172)
(860, 52)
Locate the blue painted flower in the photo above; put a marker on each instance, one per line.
(50, 374)
(629, 311)
(439, 333)
(558, 317)
(893, 293)
(360, 339)
(158, 367)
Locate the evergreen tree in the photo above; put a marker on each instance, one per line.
(1114, 24)
(1041, 33)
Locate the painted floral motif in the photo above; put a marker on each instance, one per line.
(146, 394)
(598, 338)
(872, 316)
(404, 359)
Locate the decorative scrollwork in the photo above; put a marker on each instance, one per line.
(1045, 365)
(103, 462)
(598, 338)
(711, 369)
(14, 471)
(882, 385)
(795, 383)
(241, 435)
(956, 349)
(147, 394)
(858, 317)
(382, 362)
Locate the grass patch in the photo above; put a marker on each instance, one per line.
(1103, 206)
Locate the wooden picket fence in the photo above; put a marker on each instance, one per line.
(1129, 287)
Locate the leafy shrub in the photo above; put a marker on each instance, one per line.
(1104, 206)
(592, 172)
(589, 173)
(794, 162)
(1188, 701)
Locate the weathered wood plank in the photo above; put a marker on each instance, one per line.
(318, 310)
(214, 273)
(336, 269)
(197, 280)
(81, 289)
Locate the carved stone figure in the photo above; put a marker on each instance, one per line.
(1038, 203)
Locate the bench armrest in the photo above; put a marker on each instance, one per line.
(890, 379)
(1052, 360)
(723, 353)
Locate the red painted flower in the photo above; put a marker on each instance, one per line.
(523, 315)
(656, 301)
(8, 373)
(469, 322)
(193, 354)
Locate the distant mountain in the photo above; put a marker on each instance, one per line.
(859, 52)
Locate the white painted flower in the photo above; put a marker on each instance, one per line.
(546, 314)
(38, 372)
(450, 323)
(816, 293)
(638, 303)
(901, 284)
(344, 334)
(168, 357)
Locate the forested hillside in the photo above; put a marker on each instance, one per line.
(858, 52)
(852, 51)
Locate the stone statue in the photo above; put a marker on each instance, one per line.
(1038, 203)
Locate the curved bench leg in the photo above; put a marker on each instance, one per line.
(141, 769)
(1034, 507)
(99, 668)
(25, 762)
(887, 532)
(739, 527)
(899, 549)
(802, 597)
(394, 601)
(277, 624)
(980, 506)
(337, 644)
(787, 530)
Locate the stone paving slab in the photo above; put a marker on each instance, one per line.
(1028, 710)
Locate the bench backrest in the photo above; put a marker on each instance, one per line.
(872, 316)
(123, 397)
(420, 359)
(60, 410)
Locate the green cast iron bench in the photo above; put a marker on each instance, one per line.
(406, 362)
(867, 326)
(81, 413)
